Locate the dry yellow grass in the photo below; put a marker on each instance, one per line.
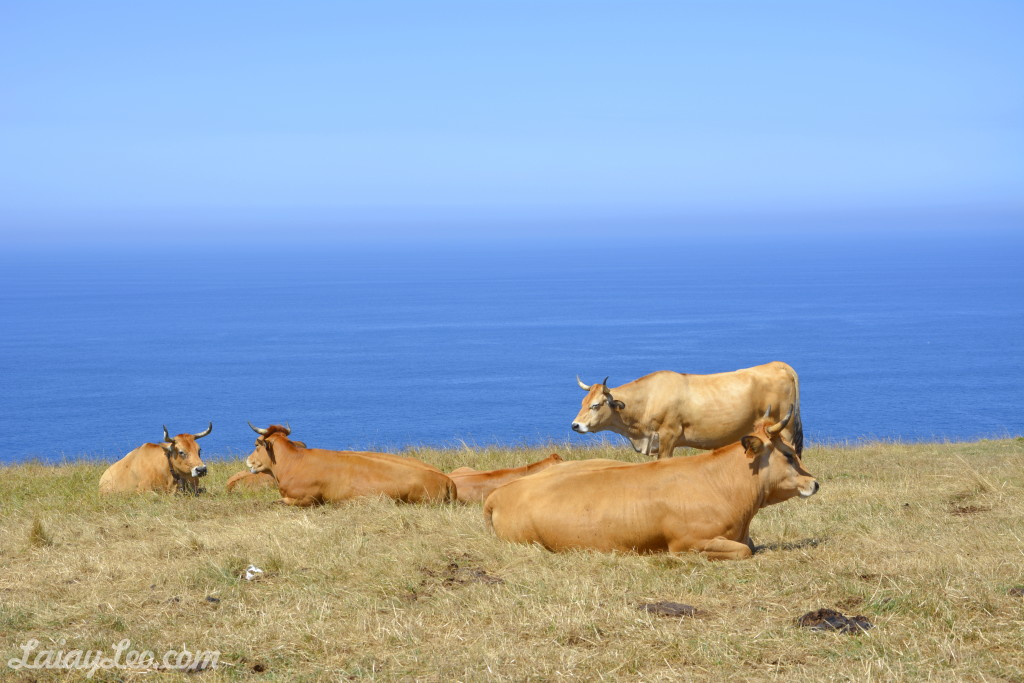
(925, 540)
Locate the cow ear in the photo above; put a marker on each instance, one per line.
(168, 449)
(616, 404)
(270, 452)
(752, 445)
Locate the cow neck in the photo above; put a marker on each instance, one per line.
(178, 480)
(284, 458)
(728, 473)
(634, 428)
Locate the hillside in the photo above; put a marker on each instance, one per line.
(924, 540)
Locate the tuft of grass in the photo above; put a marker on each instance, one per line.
(922, 539)
(37, 534)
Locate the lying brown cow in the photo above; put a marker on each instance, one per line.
(474, 486)
(247, 481)
(702, 503)
(312, 476)
(173, 465)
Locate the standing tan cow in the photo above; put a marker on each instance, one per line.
(474, 486)
(313, 476)
(700, 411)
(173, 465)
(704, 503)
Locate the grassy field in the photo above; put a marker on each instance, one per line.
(926, 541)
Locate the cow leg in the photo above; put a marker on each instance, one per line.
(297, 502)
(667, 441)
(724, 549)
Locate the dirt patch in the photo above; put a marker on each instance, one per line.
(665, 608)
(963, 510)
(849, 603)
(454, 575)
(966, 503)
(830, 620)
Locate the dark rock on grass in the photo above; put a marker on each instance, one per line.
(669, 609)
(830, 620)
(1017, 591)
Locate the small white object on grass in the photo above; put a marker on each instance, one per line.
(252, 572)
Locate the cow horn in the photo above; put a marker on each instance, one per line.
(204, 433)
(287, 429)
(167, 437)
(261, 432)
(584, 387)
(778, 427)
(605, 382)
(767, 413)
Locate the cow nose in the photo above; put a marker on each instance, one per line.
(200, 471)
(575, 426)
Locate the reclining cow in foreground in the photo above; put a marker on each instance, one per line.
(474, 486)
(173, 465)
(312, 476)
(700, 411)
(703, 503)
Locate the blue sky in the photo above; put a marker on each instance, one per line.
(371, 121)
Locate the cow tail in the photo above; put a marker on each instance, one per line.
(798, 433)
(488, 514)
(797, 425)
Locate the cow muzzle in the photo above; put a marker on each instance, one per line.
(810, 489)
(199, 471)
(579, 428)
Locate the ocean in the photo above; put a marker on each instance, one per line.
(909, 338)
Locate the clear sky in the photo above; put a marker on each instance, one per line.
(370, 120)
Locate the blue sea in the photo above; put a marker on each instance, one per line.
(916, 337)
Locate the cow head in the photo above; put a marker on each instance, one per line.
(183, 453)
(262, 459)
(600, 409)
(782, 473)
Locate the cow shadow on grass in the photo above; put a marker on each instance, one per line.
(790, 545)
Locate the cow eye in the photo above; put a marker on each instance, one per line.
(595, 406)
